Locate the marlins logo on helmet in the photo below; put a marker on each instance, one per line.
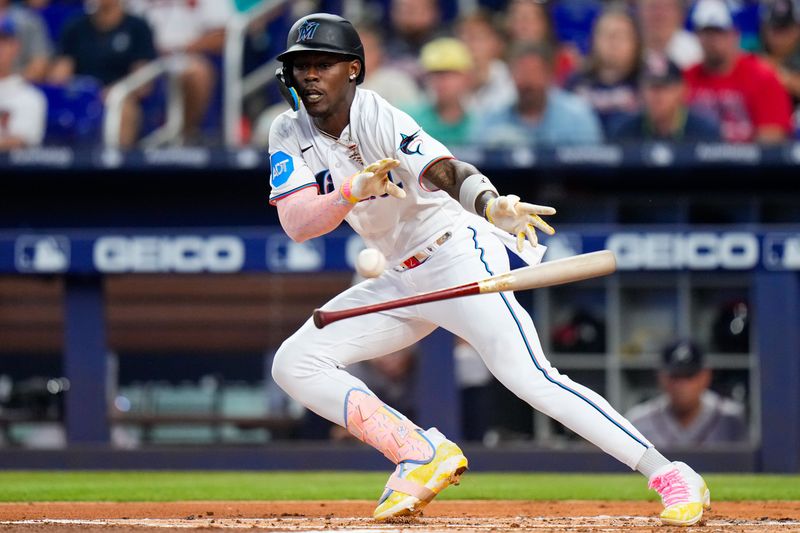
(306, 31)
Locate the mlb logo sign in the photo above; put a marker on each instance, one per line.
(285, 255)
(782, 251)
(43, 254)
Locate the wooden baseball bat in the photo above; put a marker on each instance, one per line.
(559, 272)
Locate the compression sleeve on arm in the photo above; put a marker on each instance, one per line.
(471, 188)
(306, 214)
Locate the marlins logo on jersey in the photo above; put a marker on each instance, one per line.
(307, 31)
(407, 141)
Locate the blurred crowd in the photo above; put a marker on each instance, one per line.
(60, 58)
(509, 72)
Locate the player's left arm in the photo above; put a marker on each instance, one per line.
(476, 194)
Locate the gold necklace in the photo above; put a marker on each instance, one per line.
(333, 137)
(352, 147)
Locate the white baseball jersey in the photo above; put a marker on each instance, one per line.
(301, 156)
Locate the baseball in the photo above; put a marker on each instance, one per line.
(370, 263)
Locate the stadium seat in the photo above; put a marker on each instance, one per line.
(74, 112)
(573, 21)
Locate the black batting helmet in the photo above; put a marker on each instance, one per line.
(323, 32)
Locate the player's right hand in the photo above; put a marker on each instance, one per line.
(372, 181)
(519, 218)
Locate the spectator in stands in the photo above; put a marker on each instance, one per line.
(544, 114)
(414, 24)
(196, 29)
(688, 414)
(609, 81)
(490, 87)
(529, 21)
(35, 49)
(447, 64)
(662, 26)
(739, 90)
(397, 87)
(107, 44)
(780, 29)
(665, 115)
(22, 107)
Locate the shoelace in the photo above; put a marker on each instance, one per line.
(672, 488)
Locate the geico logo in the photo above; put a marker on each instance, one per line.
(115, 254)
(695, 251)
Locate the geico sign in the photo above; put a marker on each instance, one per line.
(116, 254)
(695, 251)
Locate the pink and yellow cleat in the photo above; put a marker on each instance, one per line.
(683, 492)
(413, 485)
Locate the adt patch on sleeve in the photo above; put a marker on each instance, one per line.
(282, 168)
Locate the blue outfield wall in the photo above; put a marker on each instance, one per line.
(227, 250)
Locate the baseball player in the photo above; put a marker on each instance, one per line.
(344, 153)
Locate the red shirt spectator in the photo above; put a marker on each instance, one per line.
(739, 90)
(745, 99)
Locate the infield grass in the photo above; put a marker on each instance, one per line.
(20, 486)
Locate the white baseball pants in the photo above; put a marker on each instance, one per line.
(310, 365)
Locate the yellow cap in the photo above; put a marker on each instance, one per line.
(445, 54)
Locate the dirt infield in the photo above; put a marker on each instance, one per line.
(352, 517)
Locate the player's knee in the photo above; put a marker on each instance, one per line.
(299, 361)
(284, 365)
(531, 385)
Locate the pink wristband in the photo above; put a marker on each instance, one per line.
(345, 191)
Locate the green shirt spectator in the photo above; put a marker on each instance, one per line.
(449, 133)
(447, 64)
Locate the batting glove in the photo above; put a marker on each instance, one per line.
(372, 181)
(519, 218)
